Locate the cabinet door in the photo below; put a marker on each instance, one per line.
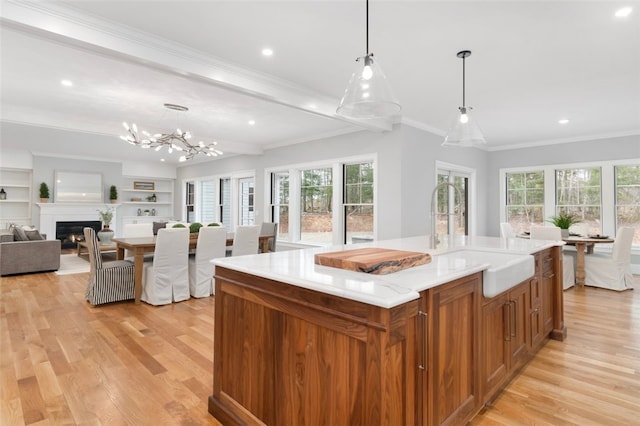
(519, 327)
(535, 317)
(546, 289)
(495, 323)
(453, 392)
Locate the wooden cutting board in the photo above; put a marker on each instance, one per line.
(377, 261)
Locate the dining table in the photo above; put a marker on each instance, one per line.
(141, 245)
(584, 245)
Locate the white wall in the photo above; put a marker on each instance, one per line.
(405, 175)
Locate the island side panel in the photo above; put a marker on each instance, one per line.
(324, 359)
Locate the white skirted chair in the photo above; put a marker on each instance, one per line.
(212, 242)
(245, 240)
(138, 230)
(166, 279)
(612, 271)
(506, 230)
(108, 281)
(270, 229)
(555, 234)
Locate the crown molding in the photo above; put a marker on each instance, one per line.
(584, 138)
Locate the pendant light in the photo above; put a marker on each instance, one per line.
(368, 94)
(465, 131)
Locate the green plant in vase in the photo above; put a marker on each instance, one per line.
(113, 193)
(194, 228)
(564, 220)
(106, 216)
(44, 192)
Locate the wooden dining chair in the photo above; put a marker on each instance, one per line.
(212, 242)
(553, 233)
(108, 281)
(612, 271)
(166, 279)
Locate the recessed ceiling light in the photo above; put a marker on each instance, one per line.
(162, 159)
(624, 12)
(252, 122)
(267, 52)
(563, 121)
(67, 83)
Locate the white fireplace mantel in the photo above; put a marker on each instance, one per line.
(50, 213)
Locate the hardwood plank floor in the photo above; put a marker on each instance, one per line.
(65, 362)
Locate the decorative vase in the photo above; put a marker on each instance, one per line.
(105, 236)
(564, 233)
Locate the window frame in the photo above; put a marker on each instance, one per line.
(337, 199)
(607, 187)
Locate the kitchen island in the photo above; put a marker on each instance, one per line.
(298, 343)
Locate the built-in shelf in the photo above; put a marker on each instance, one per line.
(17, 185)
(163, 206)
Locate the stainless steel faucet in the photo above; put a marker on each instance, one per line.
(434, 233)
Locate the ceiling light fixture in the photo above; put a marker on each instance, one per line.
(267, 52)
(177, 140)
(624, 12)
(252, 122)
(67, 83)
(465, 131)
(563, 121)
(368, 94)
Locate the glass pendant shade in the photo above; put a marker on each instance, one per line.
(368, 94)
(464, 131)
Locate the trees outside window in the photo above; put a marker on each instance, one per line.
(524, 199)
(358, 202)
(316, 210)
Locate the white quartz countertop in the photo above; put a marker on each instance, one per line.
(450, 261)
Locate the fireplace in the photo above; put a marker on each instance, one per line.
(70, 233)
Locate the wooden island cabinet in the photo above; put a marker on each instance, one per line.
(290, 355)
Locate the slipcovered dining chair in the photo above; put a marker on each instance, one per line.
(108, 281)
(506, 230)
(245, 240)
(212, 242)
(137, 230)
(166, 279)
(612, 271)
(270, 229)
(555, 234)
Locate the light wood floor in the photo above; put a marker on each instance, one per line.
(65, 362)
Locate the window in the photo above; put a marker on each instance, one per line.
(190, 202)
(224, 206)
(280, 203)
(627, 181)
(578, 192)
(316, 211)
(358, 202)
(603, 194)
(451, 205)
(524, 200)
(207, 201)
(246, 193)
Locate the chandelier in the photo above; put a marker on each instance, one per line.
(178, 140)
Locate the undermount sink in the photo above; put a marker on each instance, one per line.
(506, 270)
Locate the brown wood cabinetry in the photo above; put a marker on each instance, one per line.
(451, 380)
(505, 332)
(285, 355)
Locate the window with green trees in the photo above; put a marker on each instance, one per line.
(627, 181)
(525, 199)
(578, 192)
(316, 210)
(358, 202)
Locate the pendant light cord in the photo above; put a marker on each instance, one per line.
(463, 79)
(367, 27)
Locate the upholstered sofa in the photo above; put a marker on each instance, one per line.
(20, 257)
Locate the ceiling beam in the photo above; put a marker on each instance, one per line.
(69, 26)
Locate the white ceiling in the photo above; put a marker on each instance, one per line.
(533, 63)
